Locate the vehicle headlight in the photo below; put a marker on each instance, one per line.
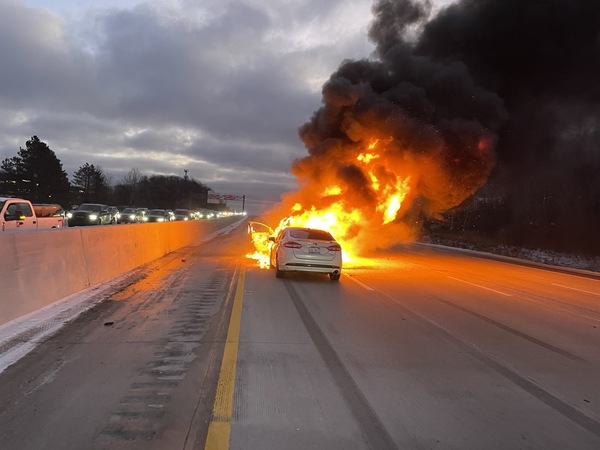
(69, 215)
(160, 219)
(93, 216)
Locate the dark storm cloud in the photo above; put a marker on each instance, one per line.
(121, 85)
(164, 74)
(39, 66)
(205, 76)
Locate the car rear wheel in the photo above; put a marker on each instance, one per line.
(334, 276)
(278, 273)
(271, 265)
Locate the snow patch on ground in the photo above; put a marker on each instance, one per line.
(20, 336)
(547, 257)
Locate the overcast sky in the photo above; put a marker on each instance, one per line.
(216, 87)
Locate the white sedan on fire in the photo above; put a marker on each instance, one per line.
(297, 249)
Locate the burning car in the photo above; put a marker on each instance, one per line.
(298, 249)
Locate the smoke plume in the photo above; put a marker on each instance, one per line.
(500, 88)
(542, 57)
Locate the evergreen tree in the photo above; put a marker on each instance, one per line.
(171, 192)
(91, 184)
(36, 174)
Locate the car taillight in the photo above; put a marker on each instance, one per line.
(334, 248)
(292, 244)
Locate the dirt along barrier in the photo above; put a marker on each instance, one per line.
(38, 268)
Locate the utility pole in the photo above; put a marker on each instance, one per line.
(244, 203)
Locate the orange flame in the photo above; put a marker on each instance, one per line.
(335, 211)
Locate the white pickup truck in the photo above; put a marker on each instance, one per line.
(20, 214)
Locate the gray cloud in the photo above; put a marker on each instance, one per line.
(219, 89)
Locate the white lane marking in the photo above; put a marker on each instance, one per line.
(575, 289)
(551, 307)
(368, 288)
(479, 286)
(544, 304)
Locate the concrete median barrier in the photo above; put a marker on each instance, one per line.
(38, 268)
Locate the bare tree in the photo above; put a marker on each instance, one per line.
(131, 183)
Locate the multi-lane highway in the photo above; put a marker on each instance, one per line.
(418, 348)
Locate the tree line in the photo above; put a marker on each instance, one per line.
(37, 174)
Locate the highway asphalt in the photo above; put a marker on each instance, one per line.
(419, 348)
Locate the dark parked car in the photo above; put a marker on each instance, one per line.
(181, 214)
(114, 214)
(140, 214)
(128, 215)
(90, 214)
(157, 215)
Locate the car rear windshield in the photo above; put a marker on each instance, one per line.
(311, 234)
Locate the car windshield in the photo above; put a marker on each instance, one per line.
(181, 211)
(128, 210)
(89, 208)
(305, 233)
(156, 212)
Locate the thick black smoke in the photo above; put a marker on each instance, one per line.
(542, 57)
(522, 76)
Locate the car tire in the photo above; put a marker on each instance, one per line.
(271, 265)
(278, 273)
(334, 276)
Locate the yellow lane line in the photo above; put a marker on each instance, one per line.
(219, 428)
